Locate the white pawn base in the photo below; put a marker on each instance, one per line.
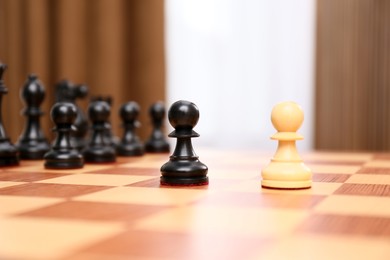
(286, 175)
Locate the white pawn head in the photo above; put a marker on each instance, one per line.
(287, 117)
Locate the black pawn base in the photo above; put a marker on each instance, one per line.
(99, 155)
(69, 160)
(33, 150)
(130, 149)
(184, 173)
(157, 146)
(8, 154)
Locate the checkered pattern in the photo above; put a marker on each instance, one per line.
(119, 211)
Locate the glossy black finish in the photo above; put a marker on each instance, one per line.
(8, 152)
(109, 137)
(99, 150)
(63, 155)
(66, 91)
(32, 144)
(184, 167)
(130, 145)
(157, 142)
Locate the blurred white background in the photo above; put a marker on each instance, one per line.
(236, 59)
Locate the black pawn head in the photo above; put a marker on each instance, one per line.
(33, 92)
(99, 111)
(63, 113)
(157, 111)
(80, 91)
(183, 116)
(129, 112)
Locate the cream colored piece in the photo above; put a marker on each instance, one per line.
(286, 169)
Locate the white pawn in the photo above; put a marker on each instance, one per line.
(286, 169)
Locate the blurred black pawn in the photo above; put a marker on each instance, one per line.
(8, 152)
(157, 142)
(109, 137)
(130, 144)
(32, 143)
(68, 92)
(63, 155)
(183, 167)
(99, 150)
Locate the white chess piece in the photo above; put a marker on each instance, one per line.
(286, 169)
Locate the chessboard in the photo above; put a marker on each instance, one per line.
(119, 210)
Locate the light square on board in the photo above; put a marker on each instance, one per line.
(146, 196)
(86, 210)
(4, 184)
(370, 179)
(337, 157)
(261, 222)
(97, 179)
(128, 171)
(354, 205)
(18, 204)
(239, 200)
(336, 169)
(378, 164)
(37, 238)
(325, 247)
(136, 244)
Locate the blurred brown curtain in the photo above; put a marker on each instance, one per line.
(116, 47)
(353, 75)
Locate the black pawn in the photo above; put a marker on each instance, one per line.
(99, 150)
(157, 142)
(183, 167)
(130, 144)
(8, 152)
(110, 138)
(32, 143)
(62, 154)
(66, 91)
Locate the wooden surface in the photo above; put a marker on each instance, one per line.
(119, 211)
(352, 75)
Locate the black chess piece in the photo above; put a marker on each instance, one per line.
(8, 152)
(156, 142)
(109, 137)
(99, 150)
(32, 143)
(183, 167)
(63, 155)
(66, 91)
(130, 145)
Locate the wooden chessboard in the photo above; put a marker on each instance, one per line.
(119, 211)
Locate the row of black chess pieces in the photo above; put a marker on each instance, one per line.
(69, 149)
